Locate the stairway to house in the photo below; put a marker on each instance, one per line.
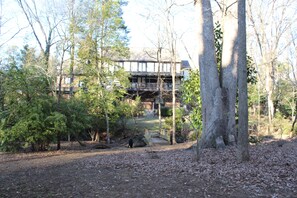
(157, 140)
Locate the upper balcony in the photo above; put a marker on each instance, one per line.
(150, 68)
(146, 62)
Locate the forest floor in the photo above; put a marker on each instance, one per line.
(161, 171)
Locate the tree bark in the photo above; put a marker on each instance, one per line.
(229, 68)
(243, 143)
(173, 104)
(173, 70)
(107, 126)
(295, 118)
(209, 79)
(59, 97)
(269, 90)
(159, 82)
(72, 47)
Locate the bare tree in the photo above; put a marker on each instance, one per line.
(171, 36)
(209, 78)
(72, 31)
(243, 143)
(7, 33)
(168, 37)
(270, 21)
(219, 97)
(62, 51)
(292, 77)
(229, 64)
(43, 27)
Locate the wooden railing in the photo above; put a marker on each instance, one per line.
(134, 87)
(152, 86)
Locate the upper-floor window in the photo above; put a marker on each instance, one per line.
(178, 66)
(157, 65)
(127, 66)
(142, 66)
(134, 66)
(150, 67)
(166, 67)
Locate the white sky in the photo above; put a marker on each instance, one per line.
(141, 16)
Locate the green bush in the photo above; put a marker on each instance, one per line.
(180, 134)
(166, 111)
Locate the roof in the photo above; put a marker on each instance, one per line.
(150, 54)
(185, 64)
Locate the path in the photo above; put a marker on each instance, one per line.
(157, 140)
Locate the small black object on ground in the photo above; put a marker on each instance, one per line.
(131, 143)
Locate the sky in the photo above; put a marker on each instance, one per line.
(143, 18)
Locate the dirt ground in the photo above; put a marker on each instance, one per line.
(162, 171)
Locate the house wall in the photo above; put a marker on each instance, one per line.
(148, 66)
(144, 75)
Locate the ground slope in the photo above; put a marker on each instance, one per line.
(163, 171)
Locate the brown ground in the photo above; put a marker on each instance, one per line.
(164, 171)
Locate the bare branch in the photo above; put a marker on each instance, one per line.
(229, 6)
(16, 33)
(221, 8)
(30, 23)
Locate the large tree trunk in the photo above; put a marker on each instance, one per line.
(209, 80)
(243, 143)
(229, 69)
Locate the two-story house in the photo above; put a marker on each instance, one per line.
(150, 78)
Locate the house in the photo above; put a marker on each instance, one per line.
(150, 77)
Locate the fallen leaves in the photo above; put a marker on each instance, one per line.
(160, 172)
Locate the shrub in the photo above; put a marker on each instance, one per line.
(166, 111)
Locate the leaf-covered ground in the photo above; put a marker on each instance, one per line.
(164, 171)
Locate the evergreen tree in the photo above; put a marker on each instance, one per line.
(103, 39)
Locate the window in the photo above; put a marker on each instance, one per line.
(142, 67)
(134, 66)
(177, 68)
(151, 80)
(166, 67)
(133, 80)
(156, 67)
(67, 80)
(150, 67)
(127, 66)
